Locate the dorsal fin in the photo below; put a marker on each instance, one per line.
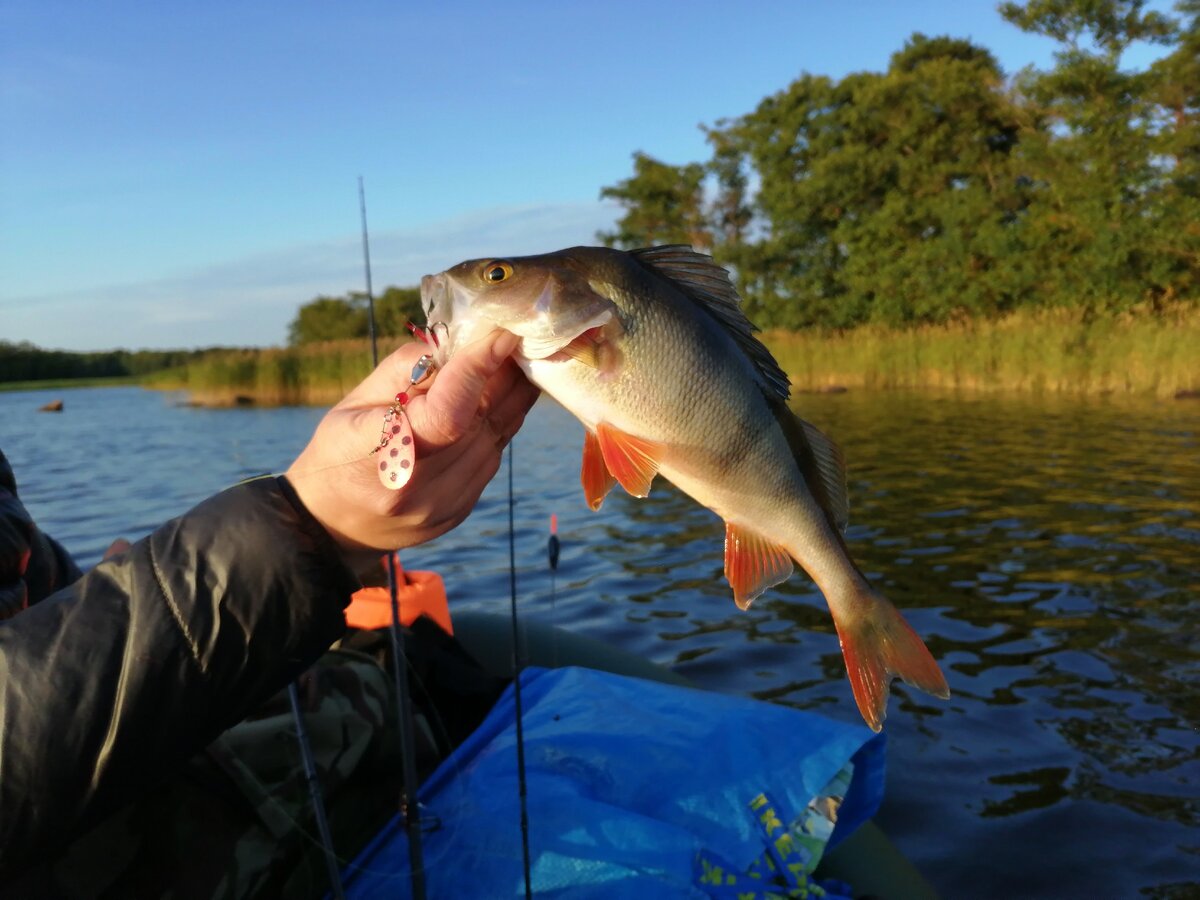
(708, 284)
(831, 466)
(821, 463)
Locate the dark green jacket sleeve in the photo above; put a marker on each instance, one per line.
(108, 684)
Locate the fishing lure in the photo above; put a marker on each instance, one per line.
(396, 448)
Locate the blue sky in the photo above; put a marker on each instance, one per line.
(180, 175)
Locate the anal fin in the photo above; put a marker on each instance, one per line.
(633, 461)
(597, 480)
(753, 564)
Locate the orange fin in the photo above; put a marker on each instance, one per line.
(877, 645)
(597, 480)
(632, 461)
(753, 564)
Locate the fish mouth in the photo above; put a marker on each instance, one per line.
(437, 302)
(433, 292)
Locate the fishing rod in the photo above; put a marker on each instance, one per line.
(314, 793)
(409, 805)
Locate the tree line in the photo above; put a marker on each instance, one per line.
(23, 361)
(324, 318)
(941, 189)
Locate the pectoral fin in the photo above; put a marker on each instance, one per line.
(541, 347)
(597, 480)
(584, 349)
(597, 348)
(753, 564)
(541, 339)
(632, 461)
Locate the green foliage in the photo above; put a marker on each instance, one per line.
(1108, 25)
(663, 205)
(329, 319)
(940, 190)
(342, 318)
(885, 195)
(395, 308)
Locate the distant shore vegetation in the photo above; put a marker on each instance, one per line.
(24, 366)
(1051, 351)
(939, 223)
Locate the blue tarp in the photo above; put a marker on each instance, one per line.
(630, 783)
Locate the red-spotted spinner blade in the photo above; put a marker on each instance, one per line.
(397, 455)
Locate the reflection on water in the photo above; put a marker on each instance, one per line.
(1048, 550)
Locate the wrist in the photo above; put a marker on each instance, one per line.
(353, 555)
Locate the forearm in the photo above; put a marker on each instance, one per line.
(108, 684)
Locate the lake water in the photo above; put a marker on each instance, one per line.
(1048, 551)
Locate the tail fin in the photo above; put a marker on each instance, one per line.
(877, 645)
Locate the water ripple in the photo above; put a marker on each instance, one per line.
(1046, 549)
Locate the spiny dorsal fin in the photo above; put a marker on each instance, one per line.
(821, 463)
(708, 284)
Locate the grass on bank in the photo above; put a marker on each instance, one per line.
(1057, 351)
(1049, 351)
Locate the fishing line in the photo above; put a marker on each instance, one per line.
(518, 667)
(552, 549)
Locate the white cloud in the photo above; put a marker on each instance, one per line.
(250, 301)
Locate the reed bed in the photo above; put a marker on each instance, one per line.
(317, 374)
(1050, 351)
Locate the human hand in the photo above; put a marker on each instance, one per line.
(462, 418)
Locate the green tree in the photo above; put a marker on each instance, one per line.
(663, 204)
(884, 196)
(940, 189)
(1095, 223)
(395, 308)
(329, 319)
(1176, 89)
(336, 318)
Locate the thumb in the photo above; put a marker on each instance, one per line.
(452, 403)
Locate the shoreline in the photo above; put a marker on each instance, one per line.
(1055, 352)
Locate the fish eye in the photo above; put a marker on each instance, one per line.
(497, 271)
